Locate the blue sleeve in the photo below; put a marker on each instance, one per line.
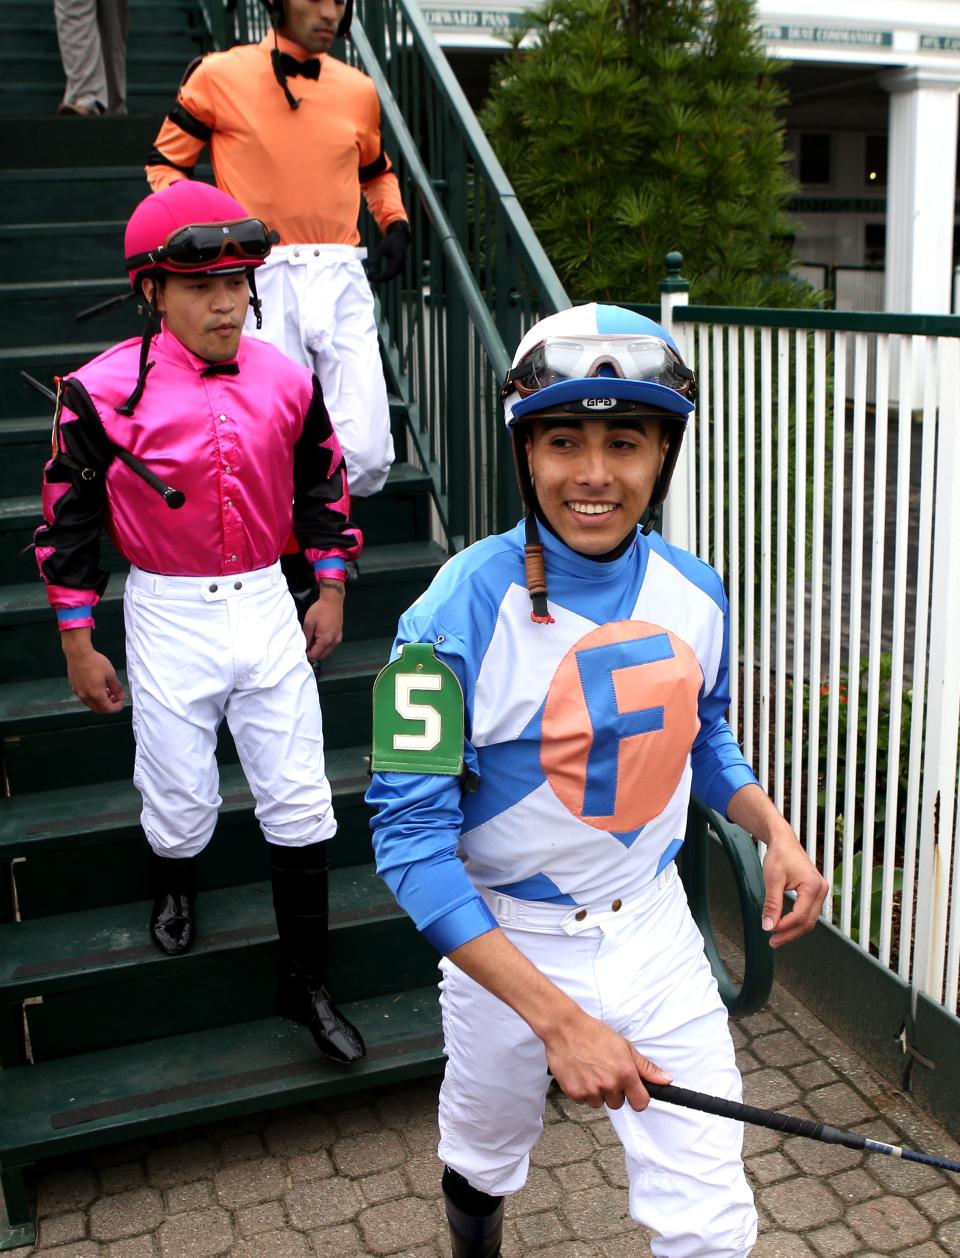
(719, 766)
(417, 828)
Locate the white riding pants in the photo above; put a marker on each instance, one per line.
(203, 648)
(645, 974)
(318, 309)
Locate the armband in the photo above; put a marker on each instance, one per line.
(417, 715)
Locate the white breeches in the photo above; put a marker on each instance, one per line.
(203, 648)
(318, 309)
(648, 978)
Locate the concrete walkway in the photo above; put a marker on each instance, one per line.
(360, 1176)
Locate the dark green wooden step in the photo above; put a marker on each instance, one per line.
(178, 38)
(150, 65)
(45, 312)
(23, 98)
(121, 1093)
(391, 577)
(95, 980)
(84, 845)
(43, 362)
(43, 724)
(80, 193)
(35, 251)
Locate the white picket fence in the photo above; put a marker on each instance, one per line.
(821, 477)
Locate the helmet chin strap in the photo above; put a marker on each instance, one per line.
(255, 303)
(151, 326)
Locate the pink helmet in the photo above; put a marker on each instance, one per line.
(192, 227)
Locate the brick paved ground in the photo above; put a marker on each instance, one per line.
(360, 1177)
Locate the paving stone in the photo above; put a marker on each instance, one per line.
(182, 1163)
(247, 1183)
(404, 1107)
(604, 1134)
(627, 1246)
(125, 1214)
(82, 1249)
(570, 1249)
(760, 1140)
(855, 1185)
(909, 1178)
(397, 1225)
(889, 1223)
(948, 1235)
(613, 1166)
(321, 1203)
(738, 1035)
(838, 1104)
(801, 1203)
(821, 1159)
(136, 1247)
(59, 1229)
(562, 1143)
(385, 1186)
(299, 1133)
(188, 1197)
(579, 1112)
(746, 1062)
(241, 1148)
(119, 1178)
(577, 1175)
(303, 1167)
(368, 1152)
(813, 1075)
(782, 1048)
(769, 1168)
(835, 1241)
(542, 1231)
(929, 1249)
(342, 1241)
(770, 1089)
(593, 1213)
(65, 1190)
(780, 1245)
(196, 1234)
(761, 1023)
(423, 1174)
(940, 1204)
(540, 1192)
(266, 1217)
(285, 1244)
(357, 1121)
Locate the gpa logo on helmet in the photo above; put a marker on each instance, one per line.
(599, 403)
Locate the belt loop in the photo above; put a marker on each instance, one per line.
(157, 585)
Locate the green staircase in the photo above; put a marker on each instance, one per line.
(102, 1037)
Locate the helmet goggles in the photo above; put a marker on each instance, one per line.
(626, 357)
(201, 245)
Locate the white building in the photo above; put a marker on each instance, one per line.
(871, 124)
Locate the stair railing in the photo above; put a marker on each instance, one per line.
(476, 275)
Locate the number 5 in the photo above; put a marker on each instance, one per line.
(406, 683)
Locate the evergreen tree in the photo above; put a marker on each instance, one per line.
(633, 127)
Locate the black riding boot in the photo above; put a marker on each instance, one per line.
(173, 925)
(475, 1218)
(300, 900)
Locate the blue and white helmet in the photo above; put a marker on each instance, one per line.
(597, 360)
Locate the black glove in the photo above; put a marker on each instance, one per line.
(388, 258)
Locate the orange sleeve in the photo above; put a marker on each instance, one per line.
(378, 183)
(185, 131)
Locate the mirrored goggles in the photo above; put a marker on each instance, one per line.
(582, 358)
(203, 244)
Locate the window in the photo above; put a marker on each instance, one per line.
(875, 161)
(815, 157)
(874, 243)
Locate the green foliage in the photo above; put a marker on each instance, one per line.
(876, 894)
(633, 127)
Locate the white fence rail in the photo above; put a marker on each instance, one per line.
(821, 477)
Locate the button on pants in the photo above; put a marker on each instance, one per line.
(648, 978)
(203, 649)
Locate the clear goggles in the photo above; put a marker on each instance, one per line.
(203, 244)
(581, 358)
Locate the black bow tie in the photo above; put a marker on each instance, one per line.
(221, 369)
(291, 66)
